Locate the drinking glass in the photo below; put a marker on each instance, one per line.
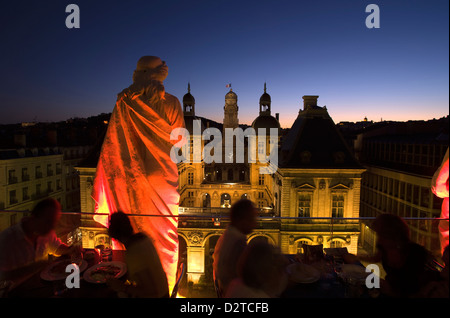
(98, 249)
(106, 254)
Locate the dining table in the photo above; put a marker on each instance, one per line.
(330, 281)
(32, 284)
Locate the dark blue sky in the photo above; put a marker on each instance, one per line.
(397, 72)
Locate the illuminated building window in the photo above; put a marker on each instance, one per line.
(12, 176)
(58, 168)
(25, 176)
(261, 179)
(225, 200)
(25, 195)
(338, 206)
(261, 147)
(337, 244)
(12, 197)
(49, 170)
(38, 172)
(190, 178)
(304, 205)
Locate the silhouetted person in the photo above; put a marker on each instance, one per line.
(232, 243)
(403, 260)
(26, 245)
(143, 264)
(261, 272)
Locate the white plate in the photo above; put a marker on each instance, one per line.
(47, 274)
(302, 273)
(87, 274)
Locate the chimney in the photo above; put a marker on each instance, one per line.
(277, 116)
(309, 101)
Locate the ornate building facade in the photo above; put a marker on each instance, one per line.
(317, 180)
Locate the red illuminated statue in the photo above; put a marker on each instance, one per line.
(135, 173)
(439, 186)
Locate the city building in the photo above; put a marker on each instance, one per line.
(317, 178)
(37, 160)
(401, 158)
(26, 177)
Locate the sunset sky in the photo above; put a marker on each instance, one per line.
(397, 72)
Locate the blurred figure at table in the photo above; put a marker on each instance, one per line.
(261, 272)
(25, 246)
(143, 264)
(404, 261)
(232, 243)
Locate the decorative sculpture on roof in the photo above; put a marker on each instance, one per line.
(135, 173)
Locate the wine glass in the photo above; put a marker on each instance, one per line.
(98, 249)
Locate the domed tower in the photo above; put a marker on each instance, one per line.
(189, 113)
(265, 118)
(264, 103)
(230, 119)
(188, 103)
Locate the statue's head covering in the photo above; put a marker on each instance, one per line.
(148, 79)
(150, 68)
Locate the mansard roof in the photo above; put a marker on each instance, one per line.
(314, 142)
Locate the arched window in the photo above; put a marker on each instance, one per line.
(264, 239)
(225, 200)
(300, 244)
(336, 244)
(206, 200)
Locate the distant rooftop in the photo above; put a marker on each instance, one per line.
(6, 154)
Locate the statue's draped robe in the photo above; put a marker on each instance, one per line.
(136, 175)
(439, 186)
